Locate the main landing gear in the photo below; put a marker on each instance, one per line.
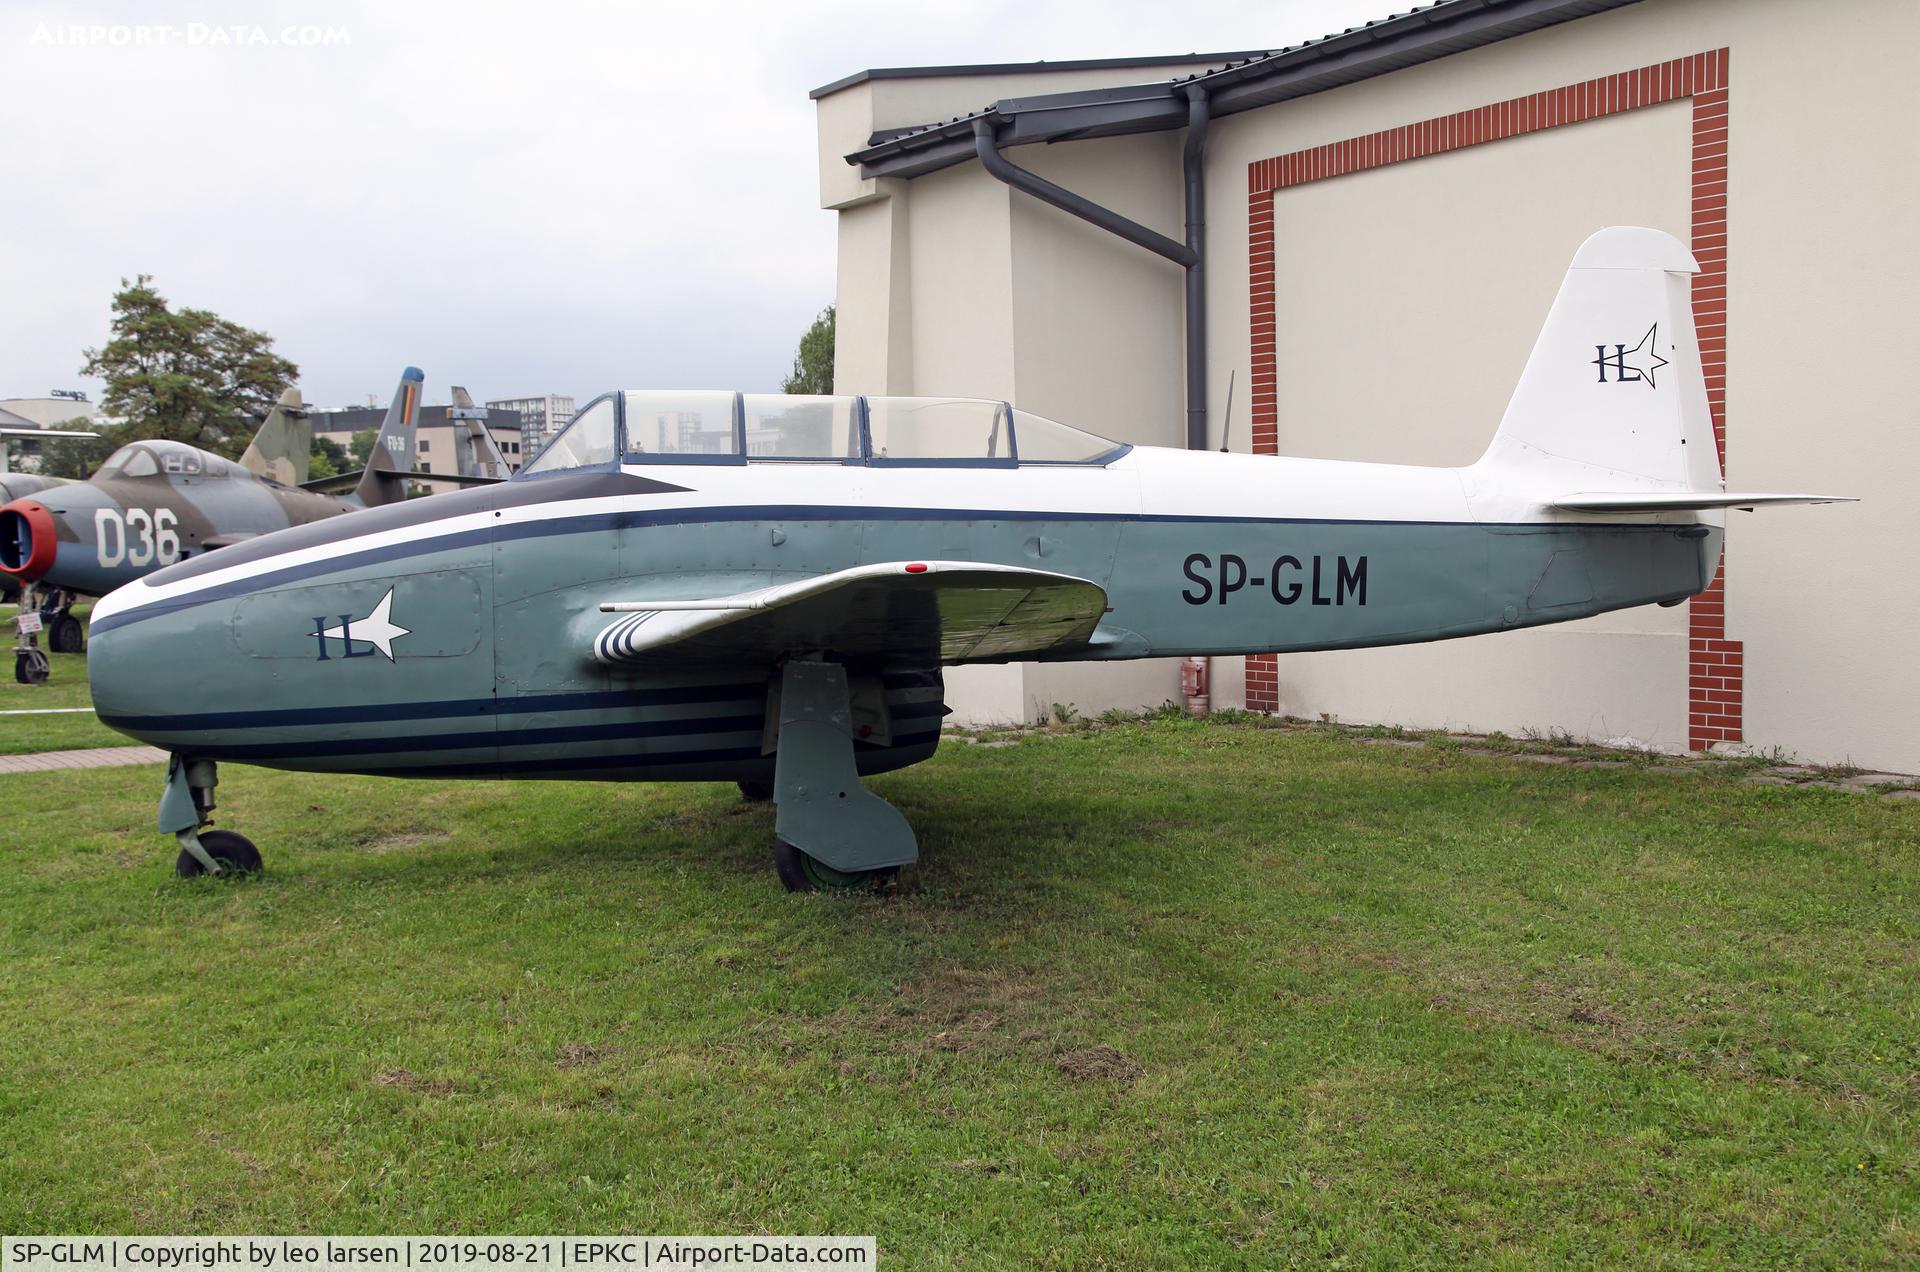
(185, 805)
(830, 832)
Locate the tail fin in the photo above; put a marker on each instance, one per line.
(394, 451)
(284, 444)
(1611, 414)
(479, 454)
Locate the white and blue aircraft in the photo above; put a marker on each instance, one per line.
(764, 589)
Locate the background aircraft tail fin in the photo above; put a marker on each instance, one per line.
(283, 445)
(479, 454)
(393, 450)
(1612, 398)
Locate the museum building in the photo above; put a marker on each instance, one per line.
(1354, 241)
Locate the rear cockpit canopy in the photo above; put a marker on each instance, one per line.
(163, 458)
(707, 427)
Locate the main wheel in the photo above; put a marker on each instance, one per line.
(234, 852)
(65, 635)
(801, 873)
(30, 666)
(755, 792)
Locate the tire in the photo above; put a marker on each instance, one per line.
(234, 851)
(65, 635)
(30, 667)
(802, 873)
(755, 792)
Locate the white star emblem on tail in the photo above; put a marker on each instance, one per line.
(377, 629)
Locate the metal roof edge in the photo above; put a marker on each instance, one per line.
(1425, 33)
(1025, 68)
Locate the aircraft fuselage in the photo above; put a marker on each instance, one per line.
(494, 595)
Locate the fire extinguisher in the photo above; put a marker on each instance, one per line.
(1194, 674)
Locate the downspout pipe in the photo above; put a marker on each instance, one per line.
(1193, 170)
(1190, 255)
(987, 145)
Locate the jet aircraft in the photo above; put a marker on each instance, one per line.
(765, 589)
(154, 503)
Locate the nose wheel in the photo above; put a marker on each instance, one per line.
(30, 665)
(185, 805)
(233, 853)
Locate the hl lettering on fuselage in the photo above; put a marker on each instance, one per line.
(1317, 580)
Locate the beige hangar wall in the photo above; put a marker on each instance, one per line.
(1409, 297)
(1822, 263)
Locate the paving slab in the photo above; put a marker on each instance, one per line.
(98, 757)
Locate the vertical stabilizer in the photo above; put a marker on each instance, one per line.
(473, 442)
(1612, 398)
(284, 445)
(394, 450)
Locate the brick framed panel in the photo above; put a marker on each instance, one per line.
(1715, 669)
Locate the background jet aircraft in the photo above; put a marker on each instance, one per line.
(157, 502)
(665, 594)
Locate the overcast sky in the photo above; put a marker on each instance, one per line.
(529, 198)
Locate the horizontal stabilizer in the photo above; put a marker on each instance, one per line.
(340, 483)
(953, 611)
(1684, 501)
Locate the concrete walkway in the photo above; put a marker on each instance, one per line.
(102, 757)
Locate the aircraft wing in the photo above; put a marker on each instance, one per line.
(42, 432)
(955, 611)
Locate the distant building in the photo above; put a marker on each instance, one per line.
(540, 418)
(56, 411)
(436, 435)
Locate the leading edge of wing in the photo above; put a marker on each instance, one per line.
(955, 611)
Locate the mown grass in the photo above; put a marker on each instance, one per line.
(1363, 1004)
(65, 687)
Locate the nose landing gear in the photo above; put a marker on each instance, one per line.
(185, 804)
(49, 610)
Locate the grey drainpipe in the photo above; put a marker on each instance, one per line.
(1193, 169)
(1190, 255)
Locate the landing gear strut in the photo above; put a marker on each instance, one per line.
(829, 831)
(51, 610)
(185, 805)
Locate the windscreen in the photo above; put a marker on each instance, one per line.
(588, 440)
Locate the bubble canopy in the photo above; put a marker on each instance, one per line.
(638, 426)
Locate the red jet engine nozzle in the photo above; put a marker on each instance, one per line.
(27, 541)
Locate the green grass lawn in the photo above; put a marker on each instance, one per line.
(1363, 1004)
(65, 687)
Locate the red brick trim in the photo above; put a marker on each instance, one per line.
(1715, 678)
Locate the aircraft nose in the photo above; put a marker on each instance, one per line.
(27, 539)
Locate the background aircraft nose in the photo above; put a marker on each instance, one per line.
(27, 542)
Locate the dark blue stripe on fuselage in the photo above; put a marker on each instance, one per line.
(531, 704)
(636, 517)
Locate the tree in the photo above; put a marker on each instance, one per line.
(186, 374)
(813, 362)
(324, 458)
(362, 447)
(78, 457)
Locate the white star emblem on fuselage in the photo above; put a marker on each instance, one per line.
(376, 629)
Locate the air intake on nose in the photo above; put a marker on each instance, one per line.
(27, 539)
